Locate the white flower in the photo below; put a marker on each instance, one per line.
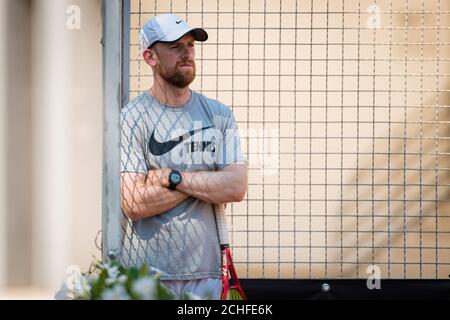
(117, 292)
(122, 279)
(83, 288)
(115, 283)
(113, 272)
(145, 288)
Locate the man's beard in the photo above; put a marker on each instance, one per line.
(178, 78)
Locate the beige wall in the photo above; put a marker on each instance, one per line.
(50, 174)
(66, 138)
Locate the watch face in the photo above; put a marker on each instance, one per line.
(175, 178)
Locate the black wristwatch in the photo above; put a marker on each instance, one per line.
(175, 178)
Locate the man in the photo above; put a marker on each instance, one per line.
(181, 154)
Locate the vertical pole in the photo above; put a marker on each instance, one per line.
(125, 52)
(115, 80)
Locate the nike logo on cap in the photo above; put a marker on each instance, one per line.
(178, 22)
(160, 148)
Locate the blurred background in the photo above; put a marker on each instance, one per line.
(50, 142)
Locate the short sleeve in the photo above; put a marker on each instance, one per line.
(132, 158)
(230, 150)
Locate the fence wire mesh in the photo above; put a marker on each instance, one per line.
(343, 111)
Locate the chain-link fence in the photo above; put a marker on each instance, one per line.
(343, 112)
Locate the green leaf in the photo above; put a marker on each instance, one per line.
(99, 286)
(144, 270)
(162, 293)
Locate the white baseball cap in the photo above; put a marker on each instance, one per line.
(167, 27)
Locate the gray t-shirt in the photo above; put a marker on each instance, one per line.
(202, 135)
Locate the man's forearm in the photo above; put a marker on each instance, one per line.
(214, 187)
(157, 199)
(146, 200)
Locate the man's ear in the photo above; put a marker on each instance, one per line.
(150, 57)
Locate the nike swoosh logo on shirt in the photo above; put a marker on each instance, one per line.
(159, 148)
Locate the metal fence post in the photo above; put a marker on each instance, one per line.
(115, 85)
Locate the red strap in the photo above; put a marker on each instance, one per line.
(225, 282)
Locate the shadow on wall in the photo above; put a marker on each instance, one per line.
(401, 187)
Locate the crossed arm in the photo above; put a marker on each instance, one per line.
(148, 195)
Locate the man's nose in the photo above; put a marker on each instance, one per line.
(187, 52)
